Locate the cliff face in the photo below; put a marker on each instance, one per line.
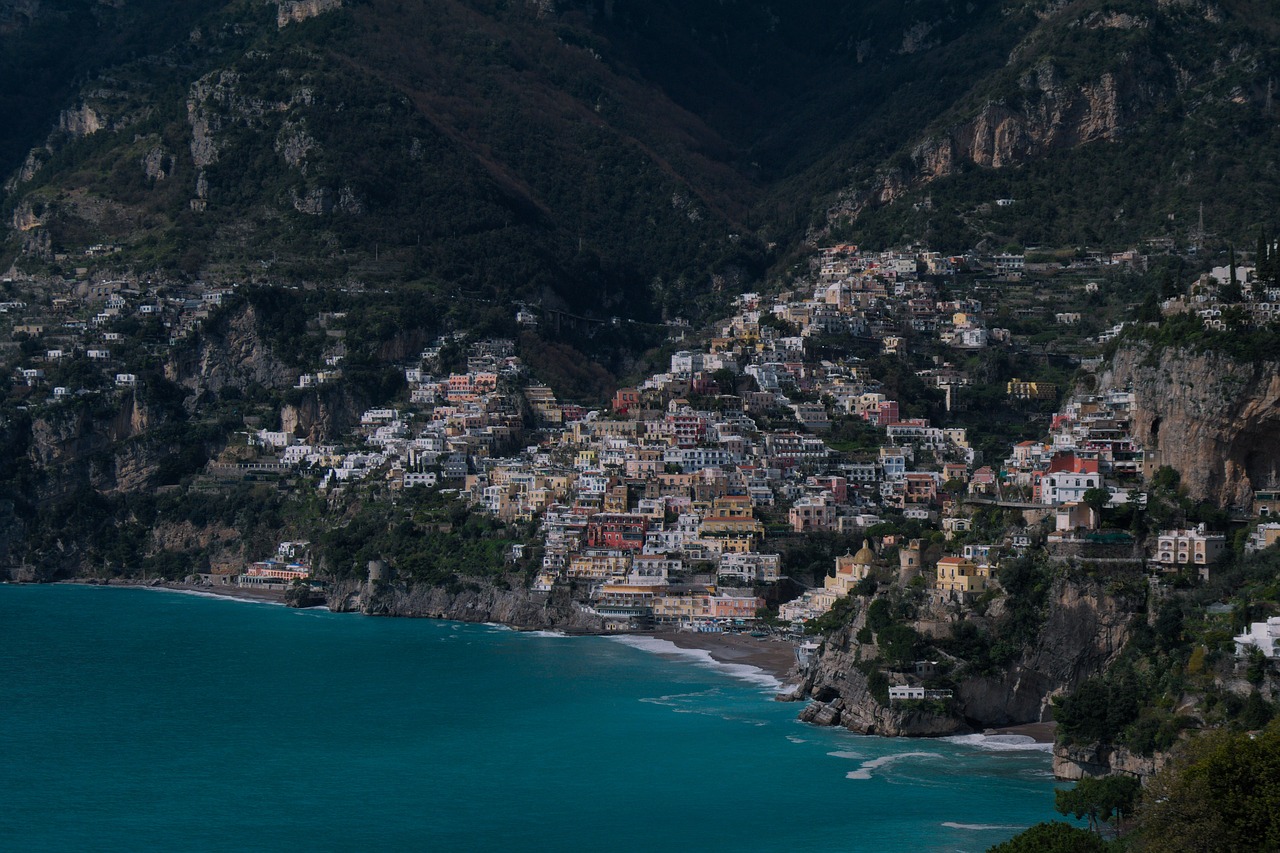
(1213, 419)
(843, 697)
(1048, 115)
(233, 354)
(1078, 75)
(1073, 763)
(1083, 631)
(294, 11)
(1006, 134)
(79, 446)
(479, 601)
(322, 414)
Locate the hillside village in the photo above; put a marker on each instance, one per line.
(667, 509)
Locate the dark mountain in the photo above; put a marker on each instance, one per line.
(618, 156)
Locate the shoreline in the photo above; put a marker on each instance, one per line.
(270, 596)
(770, 655)
(1043, 733)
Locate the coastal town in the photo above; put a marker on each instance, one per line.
(666, 509)
(870, 412)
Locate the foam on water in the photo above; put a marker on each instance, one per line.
(742, 671)
(980, 827)
(864, 772)
(1000, 743)
(845, 753)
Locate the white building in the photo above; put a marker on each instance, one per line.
(900, 693)
(1189, 547)
(1262, 636)
(750, 567)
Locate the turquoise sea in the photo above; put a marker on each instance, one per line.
(135, 719)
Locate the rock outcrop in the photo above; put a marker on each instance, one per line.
(1213, 419)
(1083, 631)
(1006, 134)
(80, 121)
(322, 414)
(852, 705)
(478, 600)
(1047, 116)
(1073, 763)
(233, 353)
(294, 11)
(158, 163)
(82, 445)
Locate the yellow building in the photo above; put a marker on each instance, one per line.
(850, 569)
(956, 574)
(1020, 390)
(598, 565)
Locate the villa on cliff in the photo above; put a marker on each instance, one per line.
(850, 570)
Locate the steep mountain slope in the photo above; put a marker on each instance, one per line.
(609, 155)
(614, 156)
(1110, 122)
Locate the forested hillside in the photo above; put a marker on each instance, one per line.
(618, 157)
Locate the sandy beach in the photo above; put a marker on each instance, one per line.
(772, 655)
(244, 593)
(1041, 732)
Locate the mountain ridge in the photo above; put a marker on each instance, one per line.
(618, 158)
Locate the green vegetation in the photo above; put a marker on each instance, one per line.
(1053, 837)
(1187, 331)
(1105, 799)
(1027, 581)
(1135, 703)
(1220, 793)
(426, 537)
(1217, 793)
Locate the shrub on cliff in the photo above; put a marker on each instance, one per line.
(1053, 837)
(1220, 795)
(1102, 799)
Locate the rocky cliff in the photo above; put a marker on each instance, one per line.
(322, 414)
(480, 600)
(1083, 630)
(845, 699)
(1072, 763)
(230, 353)
(73, 446)
(1079, 77)
(1008, 133)
(1213, 419)
(294, 11)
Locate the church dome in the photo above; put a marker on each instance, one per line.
(865, 555)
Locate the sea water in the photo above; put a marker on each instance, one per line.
(135, 719)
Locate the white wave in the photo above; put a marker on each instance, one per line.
(1001, 743)
(559, 635)
(795, 739)
(844, 753)
(980, 827)
(198, 594)
(864, 772)
(742, 671)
